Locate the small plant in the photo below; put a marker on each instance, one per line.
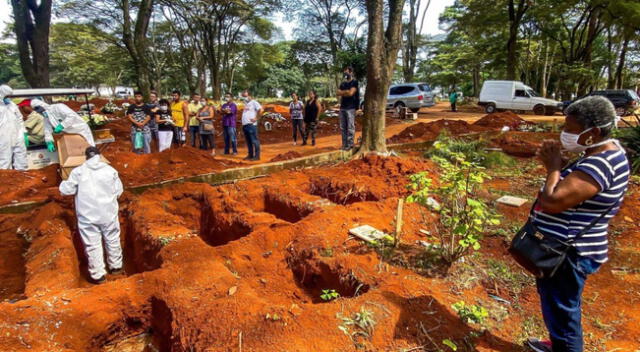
(326, 252)
(165, 240)
(360, 324)
(450, 344)
(463, 216)
(329, 295)
(470, 313)
(272, 317)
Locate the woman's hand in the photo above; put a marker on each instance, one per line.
(550, 155)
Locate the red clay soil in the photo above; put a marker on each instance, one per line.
(430, 130)
(21, 186)
(522, 144)
(242, 267)
(286, 156)
(498, 120)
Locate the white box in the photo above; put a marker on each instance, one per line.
(39, 158)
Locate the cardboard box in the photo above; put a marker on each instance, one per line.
(41, 157)
(71, 149)
(103, 136)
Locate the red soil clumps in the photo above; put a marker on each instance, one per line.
(286, 156)
(21, 186)
(431, 130)
(501, 119)
(522, 144)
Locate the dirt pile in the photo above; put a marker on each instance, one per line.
(431, 130)
(498, 120)
(522, 144)
(286, 156)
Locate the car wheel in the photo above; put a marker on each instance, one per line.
(416, 110)
(399, 105)
(538, 109)
(490, 108)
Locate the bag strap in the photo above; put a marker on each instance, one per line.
(594, 222)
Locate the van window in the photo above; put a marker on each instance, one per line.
(521, 93)
(532, 93)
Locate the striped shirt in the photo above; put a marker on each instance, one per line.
(610, 169)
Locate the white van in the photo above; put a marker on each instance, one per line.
(514, 95)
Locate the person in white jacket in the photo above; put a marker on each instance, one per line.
(60, 118)
(13, 138)
(96, 187)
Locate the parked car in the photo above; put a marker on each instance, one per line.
(626, 101)
(514, 95)
(411, 95)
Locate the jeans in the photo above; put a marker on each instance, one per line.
(230, 139)
(310, 129)
(453, 106)
(146, 148)
(348, 128)
(178, 136)
(561, 301)
(253, 144)
(207, 142)
(297, 126)
(194, 131)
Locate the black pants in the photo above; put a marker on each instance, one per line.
(207, 142)
(453, 106)
(297, 126)
(310, 129)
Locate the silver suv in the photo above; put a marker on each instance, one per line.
(411, 95)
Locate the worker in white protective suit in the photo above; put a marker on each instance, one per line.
(13, 136)
(96, 186)
(60, 118)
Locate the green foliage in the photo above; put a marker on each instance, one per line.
(463, 216)
(329, 295)
(470, 313)
(10, 71)
(630, 138)
(450, 344)
(360, 324)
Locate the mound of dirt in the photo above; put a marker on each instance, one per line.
(522, 144)
(431, 130)
(286, 156)
(501, 119)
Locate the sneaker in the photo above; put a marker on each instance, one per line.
(304, 143)
(116, 271)
(248, 158)
(254, 159)
(313, 143)
(538, 346)
(98, 281)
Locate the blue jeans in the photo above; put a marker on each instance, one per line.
(194, 131)
(253, 144)
(348, 128)
(230, 139)
(561, 300)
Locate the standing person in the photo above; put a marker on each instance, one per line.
(179, 113)
(295, 111)
(96, 187)
(13, 138)
(250, 114)
(194, 124)
(205, 117)
(349, 94)
(152, 106)
(453, 99)
(229, 112)
(165, 125)
(59, 118)
(33, 123)
(312, 110)
(139, 115)
(589, 189)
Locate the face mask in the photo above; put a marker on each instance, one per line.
(347, 76)
(163, 108)
(6, 101)
(570, 141)
(227, 99)
(245, 99)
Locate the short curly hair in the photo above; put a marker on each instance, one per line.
(594, 111)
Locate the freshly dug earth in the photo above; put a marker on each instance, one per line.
(286, 156)
(501, 119)
(430, 130)
(243, 266)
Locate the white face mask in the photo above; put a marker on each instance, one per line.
(163, 108)
(570, 141)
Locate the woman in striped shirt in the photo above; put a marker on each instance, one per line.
(573, 196)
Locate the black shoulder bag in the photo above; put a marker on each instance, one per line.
(540, 254)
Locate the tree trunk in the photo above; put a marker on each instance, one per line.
(32, 22)
(382, 52)
(515, 18)
(621, 62)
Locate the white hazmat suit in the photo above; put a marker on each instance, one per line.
(60, 114)
(96, 187)
(13, 151)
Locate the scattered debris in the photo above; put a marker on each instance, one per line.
(368, 233)
(512, 201)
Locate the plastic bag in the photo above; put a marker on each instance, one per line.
(138, 140)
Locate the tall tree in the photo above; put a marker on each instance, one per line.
(412, 36)
(515, 19)
(32, 21)
(382, 51)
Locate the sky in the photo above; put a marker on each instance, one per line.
(430, 26)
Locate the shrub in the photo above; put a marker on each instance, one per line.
(470, 313)
(630, 138)
(463, 216)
